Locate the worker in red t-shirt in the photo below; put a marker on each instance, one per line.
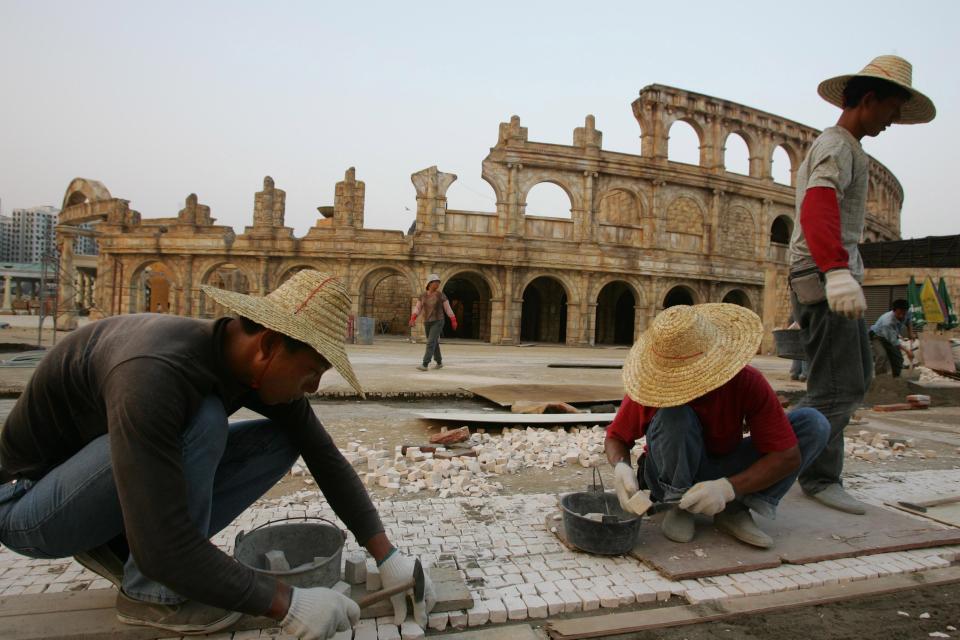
(691, 393)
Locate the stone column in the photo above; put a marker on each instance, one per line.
(507, 333)
(66, 303)
(7, 283)
(188, 287)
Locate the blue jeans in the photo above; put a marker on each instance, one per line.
(74, 508)
(840, 365)
(433, 328)
(677, 459)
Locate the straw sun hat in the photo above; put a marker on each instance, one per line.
(689, 351)
(918, 109)
(311, 307)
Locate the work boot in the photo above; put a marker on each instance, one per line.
(439, 365)
(103, 562)
(836, 497)
(678, 525)
(186, 618)
(421, 367)
(736, 521)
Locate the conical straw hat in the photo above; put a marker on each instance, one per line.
(311, 307)
(689, 351)
(918, 109)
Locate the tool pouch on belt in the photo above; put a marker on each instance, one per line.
(807, 284)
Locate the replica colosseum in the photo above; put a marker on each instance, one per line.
(644, 233)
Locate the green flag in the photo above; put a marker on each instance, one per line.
(949, 313)
(917, 319)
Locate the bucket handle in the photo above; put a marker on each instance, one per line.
(241, 534)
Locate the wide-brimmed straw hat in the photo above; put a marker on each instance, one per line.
(689, 351)
(433, 277)
(311, 307)
(918, 109)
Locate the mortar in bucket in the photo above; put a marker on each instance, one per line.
(614, 534)
(312, 547)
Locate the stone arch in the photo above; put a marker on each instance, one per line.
(679, 294)
(687, 154)
(619, 206)
(616, 313)
(558, 183)
(783, 171)
(543, 311)
(223, 275)
(684, 224)
(460, 192)
(385, 294)
(153, 287)
(470, 294)
(287, 271)
(738, 232)
(82, 190)
(781, 229)
(737, 296)
(738, 164)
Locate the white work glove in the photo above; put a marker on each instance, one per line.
(318, 613)
(844, 294)
(396, 569)
(708, 497)
(625, 482)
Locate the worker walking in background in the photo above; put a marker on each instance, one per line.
(434, 306)
(825, 265)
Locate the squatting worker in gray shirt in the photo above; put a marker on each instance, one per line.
(121, 441)
(826, 269)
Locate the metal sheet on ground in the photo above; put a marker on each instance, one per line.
(494, 417)
(804, 531)
(506, 394)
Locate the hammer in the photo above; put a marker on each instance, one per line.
(416, 582)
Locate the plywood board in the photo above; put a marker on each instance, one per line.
(935, 353)
(636, 621)
(506, 394)
(499, 417)
(90, 615)
(804, 531)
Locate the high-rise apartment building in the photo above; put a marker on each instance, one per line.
(31, 233)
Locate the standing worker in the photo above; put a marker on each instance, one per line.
(888, 328)
(433, 304)
(825, 266)
(119, 453)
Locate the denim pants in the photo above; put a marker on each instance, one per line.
(74, 508)
(840, 371)
(433, 328)
(677, 459)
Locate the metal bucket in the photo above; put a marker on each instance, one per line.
(788, 344)
(615, 535)
(313, 547)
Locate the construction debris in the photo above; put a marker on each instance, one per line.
(451, 436)
(874, 447)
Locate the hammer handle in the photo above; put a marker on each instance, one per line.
(383, 594)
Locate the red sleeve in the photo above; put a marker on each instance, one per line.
(770, 430)
(820, 221)
(631, 421)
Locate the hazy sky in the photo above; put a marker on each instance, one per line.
(161, 99)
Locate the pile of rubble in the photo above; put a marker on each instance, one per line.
(874, 447)
(470, 468)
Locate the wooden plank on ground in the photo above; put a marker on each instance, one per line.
(533, 419)
(804, 531)
(90, 614)
(511, 632)
(506, 394)
(636, 621)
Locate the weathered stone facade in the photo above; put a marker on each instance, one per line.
(644, 232)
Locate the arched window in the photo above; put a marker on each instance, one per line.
(736, 155)
(548, 200)
(781, 167)
(683, 143)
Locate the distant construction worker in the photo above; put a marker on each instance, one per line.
(826, 269)
(434, 306)
(887, 330)
(119, 453)
(692, 394)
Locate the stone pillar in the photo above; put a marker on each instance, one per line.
(188, 287)
(507, 333)
(7, 283)
(66, 303)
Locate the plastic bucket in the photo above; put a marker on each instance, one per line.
(312, 546)
(788, 344)
(617, 535)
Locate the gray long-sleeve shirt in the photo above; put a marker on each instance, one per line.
(141, 378)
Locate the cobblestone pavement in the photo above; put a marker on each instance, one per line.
(517, 570)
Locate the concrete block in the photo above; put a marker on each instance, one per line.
(589, 600)
(410, 630)
(342, 588)
(554, 602)
(516, 608)
(624, 593)
(496, 610)
(458, 619)
(373, 576)
(355, 568)
(536, 606)
(437, 621)
(643, 592)
(339, 635)
(388, 632)
(478, 615)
